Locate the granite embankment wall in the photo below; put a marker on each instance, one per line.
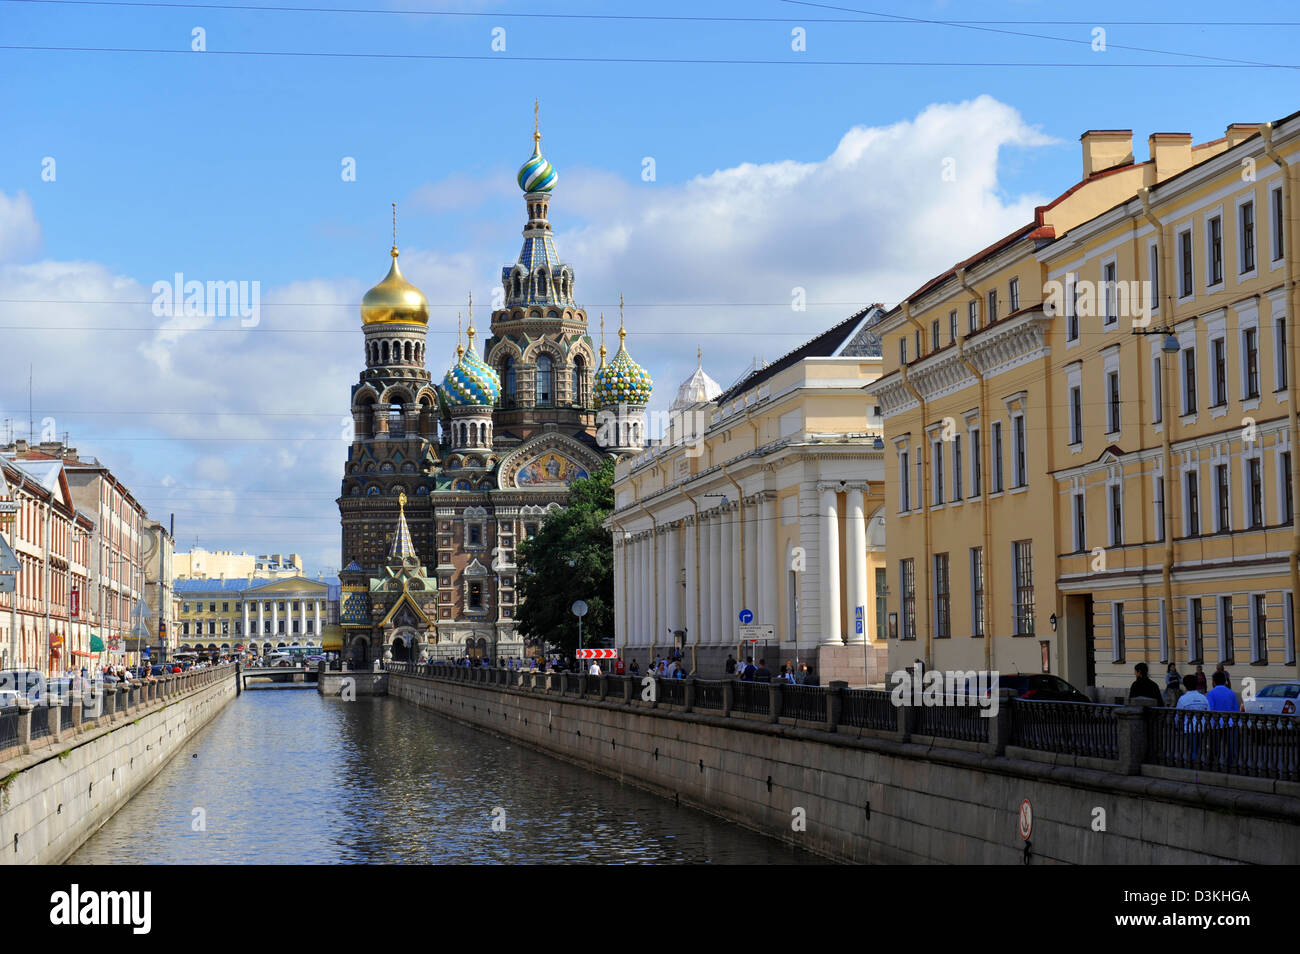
(65, 777)
(875, 796)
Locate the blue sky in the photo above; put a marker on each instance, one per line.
(769, 175)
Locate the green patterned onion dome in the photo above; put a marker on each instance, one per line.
(471, 382)
(622, 381)
(537, 175)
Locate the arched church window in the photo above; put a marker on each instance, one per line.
(580, 382)
(509, 377)
(396, 421)
(407, 351)
(383, 352)
(545, 380)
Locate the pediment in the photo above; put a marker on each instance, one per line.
(549, 461)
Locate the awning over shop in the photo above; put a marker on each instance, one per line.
(332, 639)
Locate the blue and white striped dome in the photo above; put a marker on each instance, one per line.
(537, 175)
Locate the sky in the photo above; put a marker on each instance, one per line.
(716, 160)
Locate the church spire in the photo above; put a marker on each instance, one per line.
(402, 546)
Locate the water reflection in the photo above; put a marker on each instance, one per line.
(287, 777)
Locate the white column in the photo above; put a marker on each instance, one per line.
(275, 619)
(302, 620)
(620, 603)
(316, 608)
(634, 592)
(771, 575)
(715, 578)
(743, 576)
(830, 569)
(729, 568)
(644, 568)
(673, 582)
(691, 593)
(749, 595)
(246, 630)
(856, 547)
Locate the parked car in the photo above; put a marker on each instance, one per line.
(1041, 687)
(1278, 699)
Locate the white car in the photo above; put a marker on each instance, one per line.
(1279, 699)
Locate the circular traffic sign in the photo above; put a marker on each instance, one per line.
(579, 609)
(1026, 819)
(746, 617)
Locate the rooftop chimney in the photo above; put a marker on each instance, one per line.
(1240, 132)
(1105, 149)
(1171, 152)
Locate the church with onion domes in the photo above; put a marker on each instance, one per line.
(443, 479)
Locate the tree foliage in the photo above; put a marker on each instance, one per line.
(571, 558)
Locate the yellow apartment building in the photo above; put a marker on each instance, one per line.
(766, 497)
(1089, 423)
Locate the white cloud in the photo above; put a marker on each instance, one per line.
(20, 233)
(239, 430)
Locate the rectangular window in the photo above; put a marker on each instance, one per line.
(1189, 380)
(1080, 537)
(902, 349)
(475, 535)
(936, 458)
(1221, 499)
(1076, 415)
(1112, 400)
(476, 595)
(1219, 369)
(1279, 241)
(1013, 295)
(1192, 482)
(1246, 220)
(1071, 307)
(1288, 514)
(1116, 515)
(997, 457)
(1108, 293)
(908, 577)
(1160, 508)
(952, 326)
(1195, 631)
(934, 335)
(977, 591)
(1185, 263)
(919, 352)
(1250, 345)
(1153, 267)
(976, 459)
(1023, 574)
(956, 467)
(1259, 627)
(904, 483)
(1117, 632)
(1021, 464)
(1216, 251)
(942, 622)
(1157, 391)
(1225, 629)
(1280, 368)
(973, 316)
(993, 305)
(1288, 628)
(882, 602)
(1255, 478)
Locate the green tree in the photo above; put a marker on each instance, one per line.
(571, 558)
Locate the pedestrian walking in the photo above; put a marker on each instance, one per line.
(1173, 685)
(1143, 687)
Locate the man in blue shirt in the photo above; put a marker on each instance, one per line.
(1221, 698)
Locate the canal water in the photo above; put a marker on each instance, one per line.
(284, 776)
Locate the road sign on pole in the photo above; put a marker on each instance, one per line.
(597, 654)
(857, 615)
(140, 610)
(758, 631)
(746, 617)
(8, 559)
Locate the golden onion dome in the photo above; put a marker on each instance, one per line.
(394, 300)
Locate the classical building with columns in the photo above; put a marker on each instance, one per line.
(252, 613)
(766, 498)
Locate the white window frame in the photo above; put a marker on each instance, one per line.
(997, 474)
(1224, 639)
(1276, 230)
(901, 452)
(1242, 272)
(1206, 219)
(1117, 631)
(1215, 464)
(1257, 454)
(937, 475)
(1258, 640)
(975, 459)
(1114, 493)
(1283, 446)
(1182, 270)
(1187, 509)
(1079, 507)
(1153, 277)
(1158, 491)
(1166, 651)
(1071, 286)
(1157, 392)
(1109, 289)
(1013, 296)
(1187, 343)
(1073, 386)
(1288, 628)
(1021, 435)
(1110, 365)
(1248, 320)
(958, 468)
(1281, 377)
